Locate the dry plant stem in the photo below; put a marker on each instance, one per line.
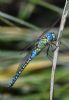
(63, 19)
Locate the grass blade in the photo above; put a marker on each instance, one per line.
(4, 15)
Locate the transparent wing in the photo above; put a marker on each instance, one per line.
(16, 56)
(64, 48)
(49, 52)
(35, 41)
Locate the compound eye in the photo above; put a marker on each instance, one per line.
(49, 36)
(54, 36)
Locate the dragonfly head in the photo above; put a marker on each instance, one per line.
(51, 36)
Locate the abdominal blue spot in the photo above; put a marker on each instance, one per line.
(33, 54)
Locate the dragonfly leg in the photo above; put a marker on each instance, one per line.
(54, 45)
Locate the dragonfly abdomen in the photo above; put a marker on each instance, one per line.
(19, 71)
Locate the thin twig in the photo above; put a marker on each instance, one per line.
(63, 19)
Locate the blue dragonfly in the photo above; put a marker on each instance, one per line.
(47, 39)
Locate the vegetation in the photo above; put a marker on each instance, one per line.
(21, 23)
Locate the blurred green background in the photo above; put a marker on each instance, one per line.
(21, 22)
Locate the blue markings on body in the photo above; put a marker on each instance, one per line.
(50, 36)
(34, 53)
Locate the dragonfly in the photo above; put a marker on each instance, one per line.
(47, 39)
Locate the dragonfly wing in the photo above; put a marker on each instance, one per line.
(35, 41)
(49, 53)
